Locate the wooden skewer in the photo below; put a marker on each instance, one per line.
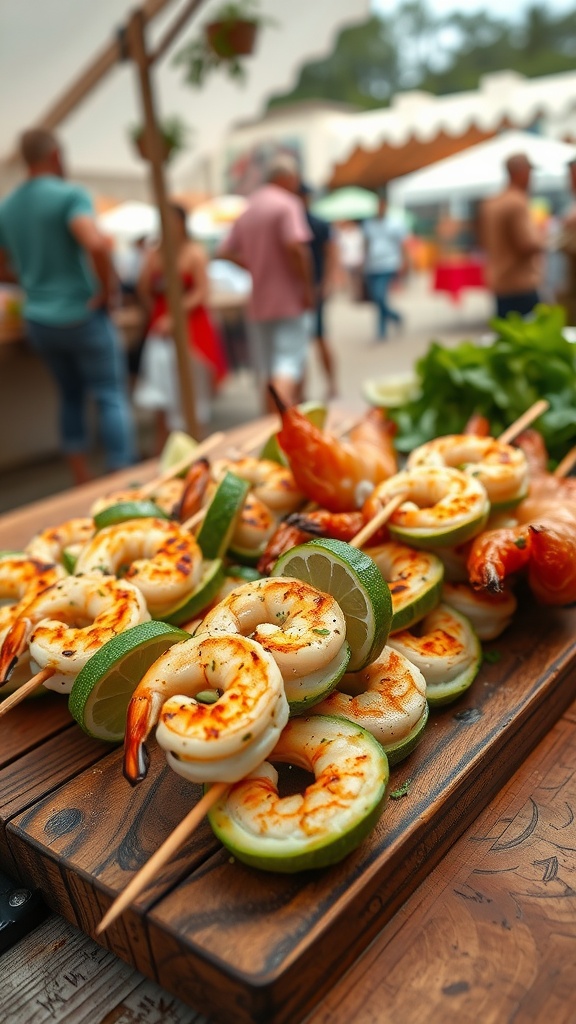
(163, 854)
(377, 521)
(178, 467)
(195, 518)
(22, 692)
(564, 467)
(524, 420)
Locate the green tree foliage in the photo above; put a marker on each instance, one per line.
(412, 48)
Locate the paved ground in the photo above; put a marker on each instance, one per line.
(351, 328)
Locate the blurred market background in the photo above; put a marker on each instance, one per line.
(427, 98)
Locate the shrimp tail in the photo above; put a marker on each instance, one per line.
(286, 536)
(280, 404)
(497, 554)
(552, 570)
(138, 725)
(322, 523)
(15, 643)
(195, 484)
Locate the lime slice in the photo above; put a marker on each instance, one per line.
(210, 583)
(355, 581)
(243, 573)
(220, 520)
(399, 751)
(302, 693)
(358, 794)
(178, 447)
(415, 580)
(103, 688)
(316, 412)
(125, 510)
(392, 391)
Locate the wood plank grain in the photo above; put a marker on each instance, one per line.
(29, 724)
(37, 773)
(228, 933)
(491, 935)
(56, 974)
(80, 844)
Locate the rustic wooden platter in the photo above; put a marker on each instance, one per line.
(234, 942)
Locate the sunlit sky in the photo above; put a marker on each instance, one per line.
(492, 6)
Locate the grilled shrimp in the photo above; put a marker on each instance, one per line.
(414, 579)
(338, 475)
(446, 649)
(490, 614)
(22, 578)
(159, 557)
(443, 506)
(501, 468)
(303, 629)
(65, 624)
(324, 823)
(207, 742)
(388, 698)
(544, 547)
(271, 483)
(49, 544)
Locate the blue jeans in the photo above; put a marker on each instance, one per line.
(377, 286)
(87, 359)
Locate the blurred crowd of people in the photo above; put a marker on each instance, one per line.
(50, 243)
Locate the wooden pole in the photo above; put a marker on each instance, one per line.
(174, 29)
(137, 48)
(89, 78)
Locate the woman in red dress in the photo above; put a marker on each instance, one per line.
(157, 387)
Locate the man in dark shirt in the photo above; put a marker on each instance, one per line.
(323, 252)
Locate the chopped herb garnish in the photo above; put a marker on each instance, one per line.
(520, 542)
(321, 632)
(491, 657)
(402, 790)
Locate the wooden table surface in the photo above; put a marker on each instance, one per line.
(488, 936)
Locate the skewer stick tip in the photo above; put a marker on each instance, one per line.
(22, 692)
(146, 874)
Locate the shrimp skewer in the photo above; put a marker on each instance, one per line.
(303, 629)
(338, 475)
(544, 547)
(220, 741)
(163, 559)
(64, 625)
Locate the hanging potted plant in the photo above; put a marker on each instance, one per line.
(173, 133)
(228, 38)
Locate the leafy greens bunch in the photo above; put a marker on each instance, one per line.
(527, 360)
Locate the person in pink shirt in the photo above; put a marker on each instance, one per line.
(270, 240)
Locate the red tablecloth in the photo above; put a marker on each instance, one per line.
(453, 276)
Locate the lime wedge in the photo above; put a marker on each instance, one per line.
(316, 412)
(220, 520)
(392, 391)
(125, 510)
(355, 581)
(210, 583)
(103, 688)
(178, 446)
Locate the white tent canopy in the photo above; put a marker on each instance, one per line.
(479, 171)
(44, 46)
(502, 97)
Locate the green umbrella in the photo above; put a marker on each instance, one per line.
(346, 204)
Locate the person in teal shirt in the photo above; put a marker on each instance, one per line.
(51, 245)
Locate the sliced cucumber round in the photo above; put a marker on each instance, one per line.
(300, 832)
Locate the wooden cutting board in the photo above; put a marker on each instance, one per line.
(237, 943)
